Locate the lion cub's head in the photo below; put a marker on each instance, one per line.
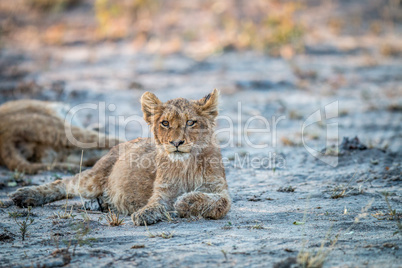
(181, 126)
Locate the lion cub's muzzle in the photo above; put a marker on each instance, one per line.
(177, 144)
(178, 147)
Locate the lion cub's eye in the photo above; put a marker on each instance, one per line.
(165, 123)
(191, 123)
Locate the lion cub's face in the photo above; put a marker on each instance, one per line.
(181, 126)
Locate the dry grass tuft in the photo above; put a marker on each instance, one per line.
(168, 216)
(64, 215)
(24, 224)
(164, 235)
(114, 219)
(308, 259)
(396, 216)
(342, 190)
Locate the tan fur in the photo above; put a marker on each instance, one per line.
(33, 138)
(151, 177)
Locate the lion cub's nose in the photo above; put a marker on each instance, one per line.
(176, 143)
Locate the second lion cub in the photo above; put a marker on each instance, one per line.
(179, 169)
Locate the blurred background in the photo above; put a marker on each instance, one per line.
(275, 62)
(202, 28)
(276, 57)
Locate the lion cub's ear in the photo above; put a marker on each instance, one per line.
(209, 104)
(150, 105)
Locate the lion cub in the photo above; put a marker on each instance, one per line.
(179, 169)
(33, 138)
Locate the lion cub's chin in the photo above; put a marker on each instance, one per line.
(178, 156)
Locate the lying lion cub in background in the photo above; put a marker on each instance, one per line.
(33, 138)
(179, 169)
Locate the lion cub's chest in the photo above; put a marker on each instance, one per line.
(187, 185)
(184, 179)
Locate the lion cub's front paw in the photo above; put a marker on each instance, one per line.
(146, 216)
(189, 205)
(183, 209)
(25, 197)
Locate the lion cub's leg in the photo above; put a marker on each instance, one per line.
(39, 195)
(87, 185)
(208, 205)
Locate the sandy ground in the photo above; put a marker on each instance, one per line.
(260, 229)
(285, 201)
